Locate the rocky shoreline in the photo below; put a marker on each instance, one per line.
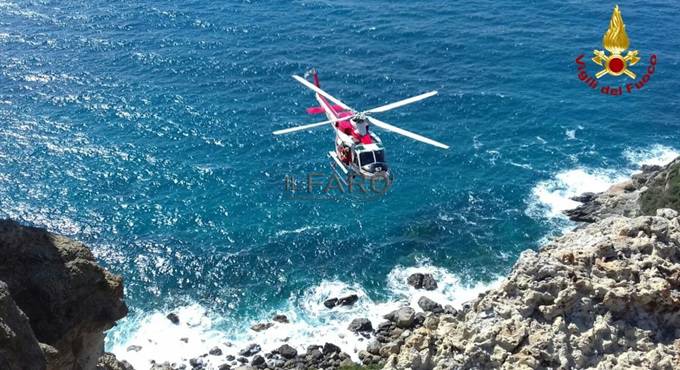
(604, 296)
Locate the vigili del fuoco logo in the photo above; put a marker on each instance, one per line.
(615, 63)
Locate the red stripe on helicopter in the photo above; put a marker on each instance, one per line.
(346, 125)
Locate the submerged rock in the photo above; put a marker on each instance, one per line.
(283, 319)
(261, 326)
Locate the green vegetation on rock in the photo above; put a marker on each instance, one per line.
(663, 190)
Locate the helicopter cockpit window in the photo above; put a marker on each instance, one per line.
(379, 156)
(366, 158)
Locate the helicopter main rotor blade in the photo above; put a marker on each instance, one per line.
(321, 92)
(401, 103)
(388, 127)
(304, 127)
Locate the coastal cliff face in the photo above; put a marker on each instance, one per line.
(604, 296)
(55, 301)
(653, 188)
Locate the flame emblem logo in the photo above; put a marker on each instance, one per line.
(616, 41)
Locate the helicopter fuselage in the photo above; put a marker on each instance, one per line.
(357, 149)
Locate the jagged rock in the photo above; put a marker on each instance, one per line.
(108, 361)
(342, 301)
(19, 349)
(173, 318)
(402, 317)
(280, 319)
(450, 310)
(250, 350)
(314, 355)
(224, 367)
(261, 326)
(360, 325)
(286, 351)
(604, 296)
(662, 190)
(196, 363)
(429, 305)
(422, 281)
(70, 301)
(585, 197)
(388, 349)
(656, 187)
(257, 360)
(331, 302)
(348, 300)
(330, 348)
(373, 347)
(215, 351)
(418, 319)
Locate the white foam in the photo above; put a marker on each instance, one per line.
(310, 321)
(451, 290)
(162, 340)
(657, 154)
(550, 198)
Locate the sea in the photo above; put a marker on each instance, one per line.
(144, 129)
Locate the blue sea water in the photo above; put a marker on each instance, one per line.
(144, 129)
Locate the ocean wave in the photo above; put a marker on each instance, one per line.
(657, 154)
(310, 322)
(550, 198)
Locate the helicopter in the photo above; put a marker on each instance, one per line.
(358, 150)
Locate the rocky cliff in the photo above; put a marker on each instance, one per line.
(604, 296)
(55, 302)
(653, 188)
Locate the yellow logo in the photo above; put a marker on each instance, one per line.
(615, 40)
